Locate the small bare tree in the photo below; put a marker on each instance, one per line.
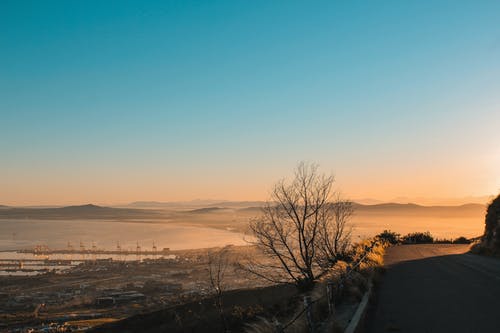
(301, 229)
(218, 263)
(335, 233)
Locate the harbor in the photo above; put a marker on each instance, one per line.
(41, 259)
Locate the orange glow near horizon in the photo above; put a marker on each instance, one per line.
(425, 187)
(184, 104)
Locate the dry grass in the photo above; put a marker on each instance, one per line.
(354, 288)
(261, 325)
(483, 249)
(92, 322)
(264, 325)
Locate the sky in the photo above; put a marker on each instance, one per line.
(119, 101)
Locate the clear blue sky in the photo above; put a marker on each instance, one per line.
(114, 101)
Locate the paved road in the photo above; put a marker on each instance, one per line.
(437, 288)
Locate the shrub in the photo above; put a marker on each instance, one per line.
(443, 240)
(481, 249)
(418, 238)
(492, 224)
(388, 236)
(461, 240)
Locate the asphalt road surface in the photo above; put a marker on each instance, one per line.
(437, 288)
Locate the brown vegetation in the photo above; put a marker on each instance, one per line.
(490, 242)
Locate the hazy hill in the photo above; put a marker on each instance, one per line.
(414, 209)
(429, 201)
(207, 210)
(77, 212)
(203, 206)
(194, 204)
(173, 204)
(410, 210)
(252, 209)
(240, 204)
(163, 210)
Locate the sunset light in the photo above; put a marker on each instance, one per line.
(249, 166)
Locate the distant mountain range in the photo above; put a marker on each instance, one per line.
(158, 210)
(440, 201)
(88, 211)
(414, 209)
(193, 204)
(207, 210)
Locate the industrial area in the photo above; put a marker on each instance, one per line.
(92, 289)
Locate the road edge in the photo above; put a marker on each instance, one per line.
(356, 323)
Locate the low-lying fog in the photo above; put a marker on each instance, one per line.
(201, 228)
(19, 234)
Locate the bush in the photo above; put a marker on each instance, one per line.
(492, 224)
(443, 240)
(481, 249)
(418, 238)
(461, 240)
(490, 241)
(389, 237)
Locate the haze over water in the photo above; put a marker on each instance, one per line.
(218, 166)
(209, 228)
(111, 103)
(22, 234)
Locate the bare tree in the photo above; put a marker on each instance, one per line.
(335, 233)
(218, 263)
(297, 227)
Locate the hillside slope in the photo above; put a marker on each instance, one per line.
(78, 212)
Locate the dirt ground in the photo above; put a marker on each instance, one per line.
(201, 316)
